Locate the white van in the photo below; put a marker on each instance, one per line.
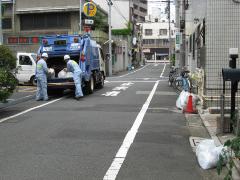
(26, 65)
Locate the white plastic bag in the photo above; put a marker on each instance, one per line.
(51, 73)
(182, 100)
(208, 154)
(64, 74)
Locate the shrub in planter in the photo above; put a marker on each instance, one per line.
(8, 81)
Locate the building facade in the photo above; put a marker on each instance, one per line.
(212, 28)
(31, 20)
(155, 40)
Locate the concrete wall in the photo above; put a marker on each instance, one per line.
(223, 32)
(23, 4)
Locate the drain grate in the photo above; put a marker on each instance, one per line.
(194, 141)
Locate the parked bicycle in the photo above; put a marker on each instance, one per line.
(179, 81)
(183, 82)
(172, 75)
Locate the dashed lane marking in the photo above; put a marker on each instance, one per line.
(163, 70)
(163, 93)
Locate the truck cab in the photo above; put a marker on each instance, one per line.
(26, 65)
(82, 49)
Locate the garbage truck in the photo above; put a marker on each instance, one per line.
(82, 49)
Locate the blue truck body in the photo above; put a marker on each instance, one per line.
(82, 49)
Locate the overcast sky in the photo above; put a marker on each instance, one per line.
(161, 5)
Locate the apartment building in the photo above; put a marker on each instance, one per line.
(212, 27)
(155, 40)
(26, 21)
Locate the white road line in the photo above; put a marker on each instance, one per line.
(163, 70)
(135, 81)
(113, 170)
(132, 72)
(28, 110)
(20, 98)
(28, 89)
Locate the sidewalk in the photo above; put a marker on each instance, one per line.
(210, 122)
(21, 94)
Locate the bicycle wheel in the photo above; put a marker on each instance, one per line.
(178, 85)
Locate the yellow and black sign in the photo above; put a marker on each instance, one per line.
(90, 9)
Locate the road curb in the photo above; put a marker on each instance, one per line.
(17, 101)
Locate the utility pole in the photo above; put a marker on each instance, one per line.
(13, 15)
(182, 28)
(80, 16)
(177, 25)
(110, 36)
(169, 29)
(1, 35)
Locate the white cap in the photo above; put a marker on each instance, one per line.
(66, 57)
(45, 55)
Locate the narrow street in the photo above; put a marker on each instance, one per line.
(129, 130)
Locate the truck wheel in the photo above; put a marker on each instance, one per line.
(101, 83)
(33, 81)
(90, 85)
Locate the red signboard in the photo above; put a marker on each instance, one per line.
(34, 40)
(23, 40)
(12, 40)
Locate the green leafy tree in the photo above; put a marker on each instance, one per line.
(7, 80)
(227, 157)
(100, 22)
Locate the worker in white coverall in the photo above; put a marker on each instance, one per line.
(73, 67)
(41, 76)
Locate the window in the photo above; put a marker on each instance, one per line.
(148, 32)
(7, 23)
(45, 21)
(159, 41)
(148, 41)
(25, 60)
(163, 32)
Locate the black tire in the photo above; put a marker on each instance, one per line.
(90, 85)
(33, 81)
(179, 85)
(101, 84)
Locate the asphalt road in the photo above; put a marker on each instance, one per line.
(129, 130)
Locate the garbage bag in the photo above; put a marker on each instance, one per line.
(51, 73)
(182, 99)
(208, 154)
(64, 74)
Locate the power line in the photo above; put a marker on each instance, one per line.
(120, 13)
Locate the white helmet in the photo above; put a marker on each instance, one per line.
(66, 57)
(45, 55)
